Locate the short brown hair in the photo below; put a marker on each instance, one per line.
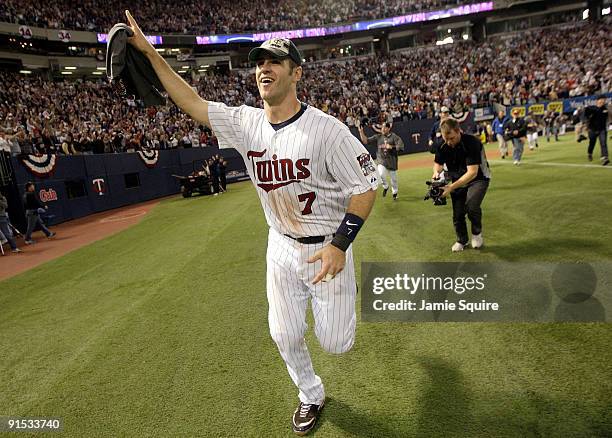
(449, 125)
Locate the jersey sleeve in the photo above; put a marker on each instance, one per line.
(351, 165)
(226, 123)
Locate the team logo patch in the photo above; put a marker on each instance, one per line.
(149, 158)
(41, 165)
(366, 164)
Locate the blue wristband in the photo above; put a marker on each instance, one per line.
(347, 231)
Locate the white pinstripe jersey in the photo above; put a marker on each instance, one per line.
(304, 173)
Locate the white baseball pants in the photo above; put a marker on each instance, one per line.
(289, 287)
(384, 173)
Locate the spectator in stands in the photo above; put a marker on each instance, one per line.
(218, 16)
(528, 67)
(33, 206)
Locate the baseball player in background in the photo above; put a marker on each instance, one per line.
(388, 144)
(317, 185)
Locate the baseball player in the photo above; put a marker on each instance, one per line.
(388, 144)
(317, 185)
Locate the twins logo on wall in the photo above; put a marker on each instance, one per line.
(149, 158)
(40, 165)
(99, 186)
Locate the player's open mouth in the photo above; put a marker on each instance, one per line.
(266, 81)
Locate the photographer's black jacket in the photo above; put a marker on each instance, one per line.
(597, 118)
(467, 152)
(516, 125)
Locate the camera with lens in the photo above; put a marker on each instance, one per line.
(436, 188)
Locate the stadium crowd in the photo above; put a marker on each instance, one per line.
(211, 17)
(87, 116)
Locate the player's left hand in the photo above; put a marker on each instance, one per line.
(333, 261)
(447, 191)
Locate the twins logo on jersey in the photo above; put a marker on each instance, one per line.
(276, 173)
(365, 162)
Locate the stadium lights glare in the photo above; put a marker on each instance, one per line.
(97, 73)
(448, 40)
(205, 66)
(466, 36)
(100, 68)
(70, 68)
(376, 40)
(160, 50)
(66, 72)
(449, 31)
(585, 14)
(25, 72)
(605, 11)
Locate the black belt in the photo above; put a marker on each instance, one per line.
(308, 240)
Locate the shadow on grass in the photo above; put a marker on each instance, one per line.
(547, 248)
(447, 408)
(444, 403)
(355, 423)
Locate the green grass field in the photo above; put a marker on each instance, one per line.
(161, 330)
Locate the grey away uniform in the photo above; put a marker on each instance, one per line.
(387, 159)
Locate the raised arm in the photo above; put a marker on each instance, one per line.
(180, 91)
(362, 135)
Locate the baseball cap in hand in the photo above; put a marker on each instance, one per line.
(444, 109)
(277, 48)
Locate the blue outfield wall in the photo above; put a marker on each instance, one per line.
(103, 176)
(103, 179)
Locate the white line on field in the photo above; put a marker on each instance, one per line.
(533, 163)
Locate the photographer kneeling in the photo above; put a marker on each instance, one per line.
(469, 170)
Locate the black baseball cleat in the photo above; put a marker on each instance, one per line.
(305, 417)
(395, 196)
(606, 161)
(590, 157)
(385, 192)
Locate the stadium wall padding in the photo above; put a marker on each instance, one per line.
(107, 172)
(103, 176)
(414, 133)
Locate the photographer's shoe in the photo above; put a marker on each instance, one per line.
(385, 192)
(305, 417)
(477, 241)
(457, 247)
(605, 162)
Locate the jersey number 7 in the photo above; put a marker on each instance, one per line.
(309, 197)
